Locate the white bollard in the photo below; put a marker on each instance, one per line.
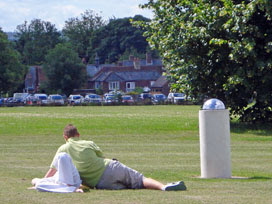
(214, 129)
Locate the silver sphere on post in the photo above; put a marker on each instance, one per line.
(213, 104)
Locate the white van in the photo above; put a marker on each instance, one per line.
(55, 99)
(41, 98)
(176, 97)
(19, 97)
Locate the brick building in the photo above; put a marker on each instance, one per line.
(126, 75)
(161, 85)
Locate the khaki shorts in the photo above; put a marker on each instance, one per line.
(118, 176)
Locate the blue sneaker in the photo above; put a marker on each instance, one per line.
(177, 186)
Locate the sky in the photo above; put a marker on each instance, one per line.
(15, 12)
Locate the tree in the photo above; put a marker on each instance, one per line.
(35, 40)
(79, 31)
(119, 39)
(12, 72)
(217, 49)
(64, 70)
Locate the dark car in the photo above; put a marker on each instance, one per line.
(1, 101)
(158, 98)
(145, 96)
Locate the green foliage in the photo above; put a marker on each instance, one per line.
(12, 72)
(79, 31)
(136, 91)
(99, 91)
(217, 49)
(64, 70)
(35, 40)
(118, 39)
(131, 52)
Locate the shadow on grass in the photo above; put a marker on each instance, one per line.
(258, 129)
(232, 178)
(260, 178)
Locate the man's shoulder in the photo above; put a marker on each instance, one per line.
(80, 142)
(85, 144)
(84, 141)
(63, 147)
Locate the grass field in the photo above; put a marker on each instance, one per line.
(162, 142)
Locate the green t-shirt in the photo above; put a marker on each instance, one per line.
(88, 159)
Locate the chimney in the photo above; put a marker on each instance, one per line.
(148, 58)
(136, 63)
(131, 58)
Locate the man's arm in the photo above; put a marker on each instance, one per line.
(51, 172)
(97, 150)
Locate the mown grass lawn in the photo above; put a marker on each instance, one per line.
(162, 142)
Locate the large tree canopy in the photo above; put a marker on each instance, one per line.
(12, 72)
(217, 49)
(35, 40)
(119, 38)
(79, 31)
(64, 70)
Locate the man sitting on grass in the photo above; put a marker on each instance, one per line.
(101, 173)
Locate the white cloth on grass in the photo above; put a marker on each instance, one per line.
(65, 180)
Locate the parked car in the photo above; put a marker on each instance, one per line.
(145, 96)
(41, 98)
(127, 99)
(75, 99)
(93, 98)
(158, 98)
(110, 99)
(9, 101)
(108, 94)
(55, 99)
(19, 97)
(176, 97)
(30, 99)
(1, 101)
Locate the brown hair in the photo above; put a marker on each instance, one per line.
(70, 131)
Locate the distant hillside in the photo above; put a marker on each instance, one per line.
(11, 36)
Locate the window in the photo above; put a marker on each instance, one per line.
(114, 85)
(151, 83)
(130, 85)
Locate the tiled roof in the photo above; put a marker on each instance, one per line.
(127, 76)
(92, 69)
(160, 82)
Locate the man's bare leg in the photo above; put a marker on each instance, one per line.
(150, 183)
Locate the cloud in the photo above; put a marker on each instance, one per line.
(144, 12)
(61, 14)
(11, 14)
(15, 12)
